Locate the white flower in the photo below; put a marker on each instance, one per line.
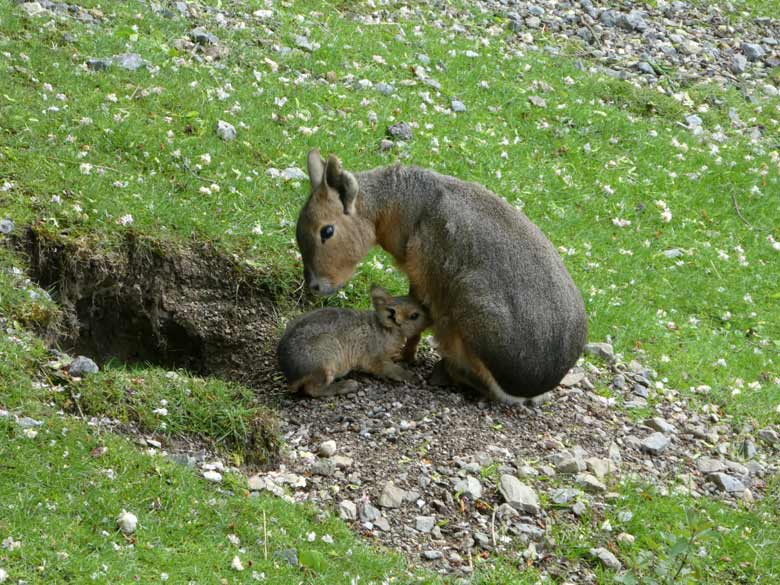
(205, 158)
(234, 540)
(6, 186)
(163, 576)
(311, 537)
(3, 575)
(126, 219)
(258, 230)
(112, 98)
(161, 411)
(236, 565)
(85, 168)
(666, 216)
(30, 433)
(618, 222)
(205, 190)
(608, 190)
(327, 538)
(127, 522)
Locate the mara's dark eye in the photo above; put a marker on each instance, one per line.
(327, 232)
(414, 316)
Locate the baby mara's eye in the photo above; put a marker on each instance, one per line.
(327, 232)
(414, 316)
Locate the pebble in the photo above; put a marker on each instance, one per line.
(327, 448)
(626, 538)
(568, 462)
(707, 465)
(753, 51)
(7, 226)
(384, 88)
(323, 467)
(738, 64)
(129, 61)
(392, 496)
(424, 524)
(563, 496)
(288, 555)
(470, 487)
(606, 558)
(458, 106)
(518, 495)
(659, 424)
(213, 476)
(590, 483)
(400, 131)
(28, 423)
(432, 555)
(99, 64)
(537, 101)
(600, 350)
(599, 467)
(656, 443)
(203, 37)
(726, 483)
(82, 367)
(226, 131)
(347, 510)
(369, 513)
(33, 9)
(769, 436)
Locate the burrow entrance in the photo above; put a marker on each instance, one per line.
(147, 302)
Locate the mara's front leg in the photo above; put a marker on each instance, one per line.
(409, 352)
(391, 370)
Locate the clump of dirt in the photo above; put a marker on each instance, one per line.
(149, 302)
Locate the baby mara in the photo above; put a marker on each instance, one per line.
(321, 346)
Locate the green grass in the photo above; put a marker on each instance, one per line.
(600, 150)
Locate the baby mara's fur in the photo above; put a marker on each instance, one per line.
(321, 346)
(507, 316)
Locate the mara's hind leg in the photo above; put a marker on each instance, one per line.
(466, 368)
(321, 384)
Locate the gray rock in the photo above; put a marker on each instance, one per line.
(672, 253)
(347, 510)
(748, 449)
(432, 555)
(226, 131)
(632, 21)
(400, 131)
(327, 449)
(707, 465)
(82, 366)
(323, 467)
(693, 121)
(537, 101)
(738, 64)
(382, 524)
(656, 443)
(579, 508)
(288, 555)
(753, 51)
(645, 68)
(518, 495)
(590, 483)
(7, 226)
(384, 88)
(568, 462)
(306, 44)
(726, 483)
(606, 558)
(458, 106)
(424, 59)
(424, 524)
(600, 350)
(506, 512)
(33, 9)
(469, 486)
(659, 424)
(599, 467)
(736, 468)
(203, 37)
(342, 461)
(608, 18)
(585, 34)
(392, 496)
(369, 513)
(534, 10)
(99, 64)
(528, 532)
(562, 496)
(28, 423)
(129, 61)
(385, 145)
(769, 436)
(533, 22)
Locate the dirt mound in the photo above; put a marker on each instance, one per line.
(144, 301)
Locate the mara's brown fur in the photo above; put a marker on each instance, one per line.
(508, 318)
(321, 346)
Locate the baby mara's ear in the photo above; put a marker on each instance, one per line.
(382, 302)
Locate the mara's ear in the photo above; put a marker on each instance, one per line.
(379, 297)
(343, 182)
(316, 169)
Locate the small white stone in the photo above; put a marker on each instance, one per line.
(214, 476)
(127, 522)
